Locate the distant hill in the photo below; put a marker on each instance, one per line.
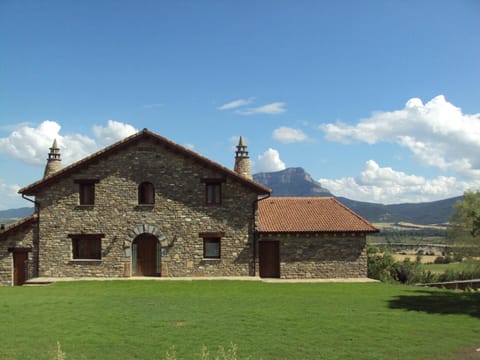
(297, 182)
(435, 212)
(10, 215)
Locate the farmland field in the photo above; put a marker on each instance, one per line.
(147, 319)
(466, 265)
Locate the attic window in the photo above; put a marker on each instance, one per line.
(146, 194)
(213, 191)
(86, 190)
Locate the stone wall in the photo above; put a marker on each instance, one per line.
(21, 237)
(179, 215)
(321, 256)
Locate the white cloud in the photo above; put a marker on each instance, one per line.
(437, 133)
(269, 161)
(386, 185)
(287, 135)
(113, 132)
(235, 104)
(270, 109)
(31, 145)
(9, 198)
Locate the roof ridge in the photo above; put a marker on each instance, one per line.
(19, 223)
(355, 214)
(302, 197)
(310, 214)
(129, 139)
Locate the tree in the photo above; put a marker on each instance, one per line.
(465, 219)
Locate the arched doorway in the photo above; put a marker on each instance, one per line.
(146, 256)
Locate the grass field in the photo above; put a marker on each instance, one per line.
(145, 319)
(467, 265)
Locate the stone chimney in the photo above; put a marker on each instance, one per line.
(242, 160)
(54, 163)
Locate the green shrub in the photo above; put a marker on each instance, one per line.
(468, 273)
(381, 267)
(458, 257)
(408, 272)
(386, 269)
(442, 260)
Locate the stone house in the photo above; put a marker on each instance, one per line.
(146, 206)
(311, 237)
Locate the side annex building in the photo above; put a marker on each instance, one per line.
(146, 206)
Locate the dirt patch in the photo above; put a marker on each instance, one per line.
(426, 259)
(417, 226)
(470, 353)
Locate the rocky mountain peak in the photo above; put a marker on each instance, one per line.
(293, 181)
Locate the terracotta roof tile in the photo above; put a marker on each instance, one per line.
(23, 222)
(309, 214)
(145, 133)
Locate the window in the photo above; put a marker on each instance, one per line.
(87, 247)
(146, 194)
(86, 190)
(211, 244)
(213, 191)
(211, 248)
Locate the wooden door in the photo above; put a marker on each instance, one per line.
(269, 253)
(146, 255)
(19, 266)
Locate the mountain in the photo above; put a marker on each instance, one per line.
(435, 212)
(11, 214)
(291, 182)
(297, 182)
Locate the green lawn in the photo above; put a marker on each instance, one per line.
(144, 319)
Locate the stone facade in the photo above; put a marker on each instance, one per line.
(23, 236)
(155, 199)
(178, 217)
(320, 256)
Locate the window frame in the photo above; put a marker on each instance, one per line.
(86, 247)
(212, 238)
(213, 191)
(146, 194)
(86, 191)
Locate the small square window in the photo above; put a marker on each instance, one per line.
(86, 247)
(211, 248)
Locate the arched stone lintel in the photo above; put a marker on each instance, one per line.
(144, 229)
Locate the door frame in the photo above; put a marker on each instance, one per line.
(157, 254)
(269, 267)
(19, 265)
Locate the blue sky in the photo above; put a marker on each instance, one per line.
(379, 100)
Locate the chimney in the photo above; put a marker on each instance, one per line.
(242, 160)
(54, 163)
